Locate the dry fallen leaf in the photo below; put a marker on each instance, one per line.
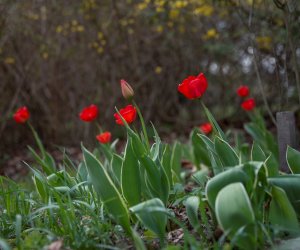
(56, 245)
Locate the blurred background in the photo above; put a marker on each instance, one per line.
(58, 56)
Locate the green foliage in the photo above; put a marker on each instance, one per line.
(107, 191)
(111, 198)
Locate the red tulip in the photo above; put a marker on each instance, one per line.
(21, 115)
(89, 113)
(127, 90)
(248, 104)
(128, 113)
(104, 137)
(206, 128)
(193, 87)
(243, 91)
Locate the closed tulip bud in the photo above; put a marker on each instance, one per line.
(127, 90)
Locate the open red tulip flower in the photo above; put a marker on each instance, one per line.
(21, 115)
(206, 128)
(104, 137)
(89, 113)
(243, 91)
(128, 114)
(193, 87)
(248, 104)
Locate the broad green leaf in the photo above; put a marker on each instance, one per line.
(130, 181)
(290, 244)
(116, 168)
(233, 208)
(257, 154)
(4, 245)
(201, 176)
(293, 160)
(192, 206)
(271, 144)
(106, 150)
(215, 184)
(226, 153)
(82, 173)
(215, 161)
(255, 131)
(153, 173)
(291, 185)
(166, 163)
(282, 214)
(138, 242)
(153, 215)
(272, 166)
(157, 146)
(217, 129)
(107, 191)
(137, 145)
(199, 149)
(176, 158)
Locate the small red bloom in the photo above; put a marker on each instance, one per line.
(193, 86)
(206, 128)
(89, 113)
(248, 104)
(104, 137)
(243, 91)
(128, 113)
(21, 115)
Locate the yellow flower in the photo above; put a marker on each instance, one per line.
(180, 4)
(45, 55)
(9, 60)
(173, 14)
(159, 28)
(80, 28)
(170, 24)
(100, 35)
(204, 10)
(211, 34)
(74, 22)
(141, 6)
(100, 50)
(264, 42)
(59, 29)
(158, 70)
(160, 9)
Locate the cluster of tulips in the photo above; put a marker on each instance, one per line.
(192, 87)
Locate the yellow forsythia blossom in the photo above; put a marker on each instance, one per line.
(158, 70)
(159, 28)
(264, 42)
(9, 60)
(211, 34)
(204, 10)
(59, 29)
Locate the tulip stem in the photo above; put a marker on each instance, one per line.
(143, 125)
(37, 139)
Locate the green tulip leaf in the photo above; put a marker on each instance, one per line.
(106, 190)
(233, 208)
(293, 160)
(131, 176)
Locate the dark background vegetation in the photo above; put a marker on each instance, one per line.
(58, 56)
